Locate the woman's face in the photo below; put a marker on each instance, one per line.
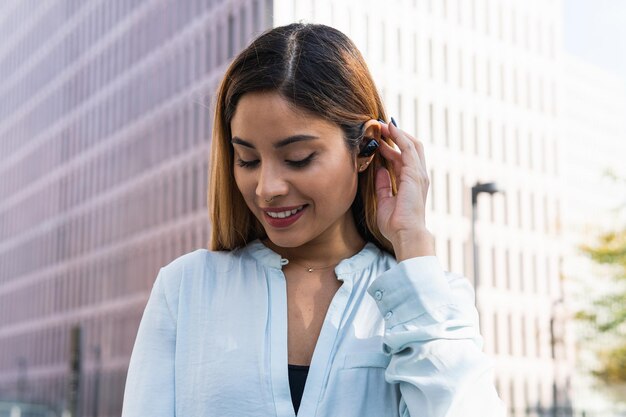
(318, 173)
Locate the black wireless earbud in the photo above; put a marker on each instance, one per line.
(369, 148)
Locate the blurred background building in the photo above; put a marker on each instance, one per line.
(105, 125)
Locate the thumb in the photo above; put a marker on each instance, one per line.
(383, 184)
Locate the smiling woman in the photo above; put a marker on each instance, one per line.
(320, 293)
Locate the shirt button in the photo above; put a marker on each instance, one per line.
(388, 315)
(378, 294)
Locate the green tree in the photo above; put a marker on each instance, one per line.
(607, 315)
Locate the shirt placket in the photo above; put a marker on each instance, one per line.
(323, 356)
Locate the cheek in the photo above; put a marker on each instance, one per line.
(243, 183)
(337, 186)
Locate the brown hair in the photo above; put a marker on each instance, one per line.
(317, 69)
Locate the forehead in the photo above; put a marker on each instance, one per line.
(266, 117)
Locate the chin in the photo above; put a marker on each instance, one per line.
(286, 241)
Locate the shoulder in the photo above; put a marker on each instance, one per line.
(194, 265)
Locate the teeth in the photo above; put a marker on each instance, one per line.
(283, 214)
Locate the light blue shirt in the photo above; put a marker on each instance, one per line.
(399, 339)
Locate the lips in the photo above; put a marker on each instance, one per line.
(278, 209)
(285, 221)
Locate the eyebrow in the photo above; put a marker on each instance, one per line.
(279, 144)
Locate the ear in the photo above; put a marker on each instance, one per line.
(371, 130)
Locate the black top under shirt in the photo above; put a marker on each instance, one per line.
(297, 379)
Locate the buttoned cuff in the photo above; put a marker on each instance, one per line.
(411, 288)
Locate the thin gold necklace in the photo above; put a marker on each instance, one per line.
(310, 269)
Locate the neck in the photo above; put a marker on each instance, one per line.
(327, 249)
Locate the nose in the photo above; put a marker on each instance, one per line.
(271, 183)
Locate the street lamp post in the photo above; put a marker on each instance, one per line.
(96, 389)
(22, 365)
(491, 188)
(553, 341)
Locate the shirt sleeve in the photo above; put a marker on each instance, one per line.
(432, 334)
(149, 389)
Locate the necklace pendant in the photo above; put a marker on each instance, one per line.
(310, 269)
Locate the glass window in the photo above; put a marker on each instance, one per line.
(507, 264)
(474, 74)
(446, 124)
(496, 335)
(431, 122)
(523, 333)
(510, 332)
(488, 77)
(415, 51)
(448, 204)
(476, 138)
(494, 269)
(473, 13)
(535, 273)
(430, 59)
(490, 139)
(449, 253)
(231, 36)
(399, 51)
(522, 278)
(185, 191)
(198, 58)
(517, 147)
(416, 119)
(532, 211)
(461, 132)
(432, 189)
(255, 16)
(195, 192)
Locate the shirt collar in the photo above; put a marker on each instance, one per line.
(360, 260)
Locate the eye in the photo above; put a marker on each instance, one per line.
(297, 164)
(246, 164)
(304, 162)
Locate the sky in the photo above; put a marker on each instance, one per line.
(595, 30)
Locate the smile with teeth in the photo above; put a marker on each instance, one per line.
(283, 214)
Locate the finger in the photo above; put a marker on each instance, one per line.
(385, 133)
(384, 129)
(419, 148)
(392, 155)
(418, 145)
(383, 184)
(410, 156)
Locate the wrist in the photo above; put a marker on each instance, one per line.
(413, 244)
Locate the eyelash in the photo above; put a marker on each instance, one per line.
(296, 164)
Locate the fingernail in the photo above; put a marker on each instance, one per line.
(394, 122)
(381, 120)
